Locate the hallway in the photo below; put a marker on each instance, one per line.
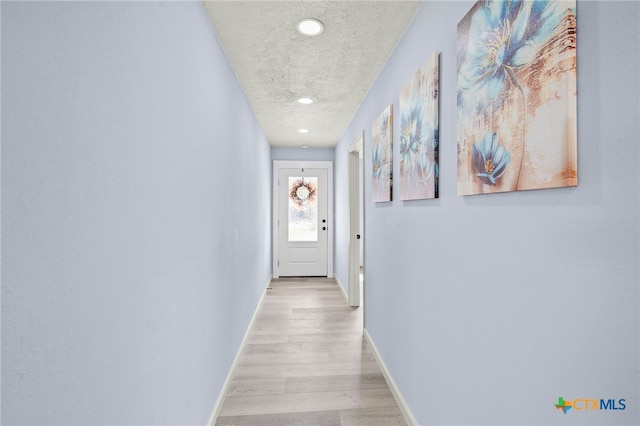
(306, 363)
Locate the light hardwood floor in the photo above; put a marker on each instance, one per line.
(306, 363)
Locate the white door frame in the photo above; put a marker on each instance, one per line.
(282, 164)
(355, 174)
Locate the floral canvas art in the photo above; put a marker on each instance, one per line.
(517, 96)
(419, 133)
(381, 157)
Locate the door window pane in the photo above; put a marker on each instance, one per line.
(303, 209)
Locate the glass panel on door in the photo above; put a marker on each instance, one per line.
(303, 208)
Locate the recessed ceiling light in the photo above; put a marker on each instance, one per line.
(305, 101)
(310, 27)
(303, 130)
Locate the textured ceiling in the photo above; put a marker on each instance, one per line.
(276, 65)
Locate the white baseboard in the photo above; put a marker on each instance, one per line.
(216, 408)
(346, 296)
(404, 407)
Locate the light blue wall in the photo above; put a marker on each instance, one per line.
(488, 308)
(300, 154)
(133, 257)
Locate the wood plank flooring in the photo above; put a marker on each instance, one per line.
(306, 363)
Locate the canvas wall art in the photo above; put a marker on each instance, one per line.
(517, 96)
(381, 156)
(419, 133)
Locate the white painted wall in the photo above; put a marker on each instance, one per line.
(488, 308)
(136, 213)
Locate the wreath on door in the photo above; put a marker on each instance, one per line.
(302, 192)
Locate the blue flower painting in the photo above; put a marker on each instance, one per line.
(381, 157)
(517, 85)
(419, 135)
(490, 160)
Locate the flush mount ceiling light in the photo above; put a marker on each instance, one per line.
(303, 131)
(305, 101)
(310, 27)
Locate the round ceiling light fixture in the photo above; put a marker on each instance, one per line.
(310, 27)
(306, 101)
(303, 131)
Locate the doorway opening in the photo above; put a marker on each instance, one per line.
(356, 223)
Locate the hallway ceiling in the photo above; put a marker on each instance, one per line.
(276, 65)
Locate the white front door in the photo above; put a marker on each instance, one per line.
(303, 220)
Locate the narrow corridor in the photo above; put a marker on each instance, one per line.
(307, 363)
